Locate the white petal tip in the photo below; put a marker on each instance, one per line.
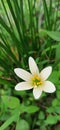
(49, 87)
(33, 66)
(45, 73)
(16, 89)
(54, 90)
(30, 58)
(50, 67)
(36, 98)
(37, 93)
(15, 70)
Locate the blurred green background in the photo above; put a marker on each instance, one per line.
(29, 28)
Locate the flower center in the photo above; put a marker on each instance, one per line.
(36, 80)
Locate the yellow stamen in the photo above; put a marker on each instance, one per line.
(36, 80)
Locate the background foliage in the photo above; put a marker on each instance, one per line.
(29, 28)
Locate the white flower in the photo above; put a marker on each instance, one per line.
(36, 80)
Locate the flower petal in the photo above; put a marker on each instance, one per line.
(23, 86)
(22, 74)
(45, 73)
(37, 92)
(33, 66)
(49, 87)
